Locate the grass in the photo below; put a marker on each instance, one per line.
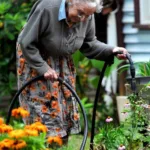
(75, 143)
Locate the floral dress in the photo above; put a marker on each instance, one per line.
(50, 103)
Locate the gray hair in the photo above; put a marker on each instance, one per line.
(93, 3)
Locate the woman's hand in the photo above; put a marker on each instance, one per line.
(123, 50)
(51, 75)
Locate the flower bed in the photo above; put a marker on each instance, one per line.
(28, 137)
(131, 134)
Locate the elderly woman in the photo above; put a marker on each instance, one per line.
(55, 29)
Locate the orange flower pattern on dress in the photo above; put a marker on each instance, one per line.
(55, 94)
(37, 119)
(22, 60)
(35, 99)
(19, 71)
(24, 92)
(34, 73)
(19, 52)
(32, 87)
(44, 109)
(22, 63)
(51, 102)
(76, 116)
(58, 109)
(48, 95)
(43, 88)
(54, 104)
(64, 102)
(72, 79)
(53, 114)
(58, 129)
(55, 84)
(67, 93)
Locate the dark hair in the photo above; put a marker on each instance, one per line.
(110, 3)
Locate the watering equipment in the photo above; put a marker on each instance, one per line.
(41, 77)
(133, 87)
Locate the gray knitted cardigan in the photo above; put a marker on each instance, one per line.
(44, 35)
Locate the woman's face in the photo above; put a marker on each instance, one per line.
(79, 12)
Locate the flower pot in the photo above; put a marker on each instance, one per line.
(121, 101)
(142, 90)
(140, 84)
(140, 80)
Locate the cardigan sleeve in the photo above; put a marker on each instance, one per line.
(92, 48)
(29, 38)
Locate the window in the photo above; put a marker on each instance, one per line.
(142, 14)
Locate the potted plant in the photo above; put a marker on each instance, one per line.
(142, 78)
(142, 72)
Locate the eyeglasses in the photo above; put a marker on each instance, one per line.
(81, 15)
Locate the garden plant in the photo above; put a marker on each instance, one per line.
(131, 134)
(142, 68)
(19, 136)
(13, 16)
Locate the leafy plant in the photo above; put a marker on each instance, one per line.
(88, 106)
(88, 73)
(19, 136)
(131, 133)
(142, 68)
(13, 15)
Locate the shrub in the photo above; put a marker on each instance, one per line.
(13, 14)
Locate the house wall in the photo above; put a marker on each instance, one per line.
(137, 41)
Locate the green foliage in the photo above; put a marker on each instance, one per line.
(110, 136)
(84, 66)
(9, 81)
(141, 68)
(75, 143)
(3, 136)
(144, 68)
(13, 15)
(35, 142)
(88, 106)
(86, 82)
(132, 133)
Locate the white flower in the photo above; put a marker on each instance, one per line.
(124, 114)
(145, 105)
(127, 105)
(148, 129)
(109, 119)
(121, 147)
(148, 86)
